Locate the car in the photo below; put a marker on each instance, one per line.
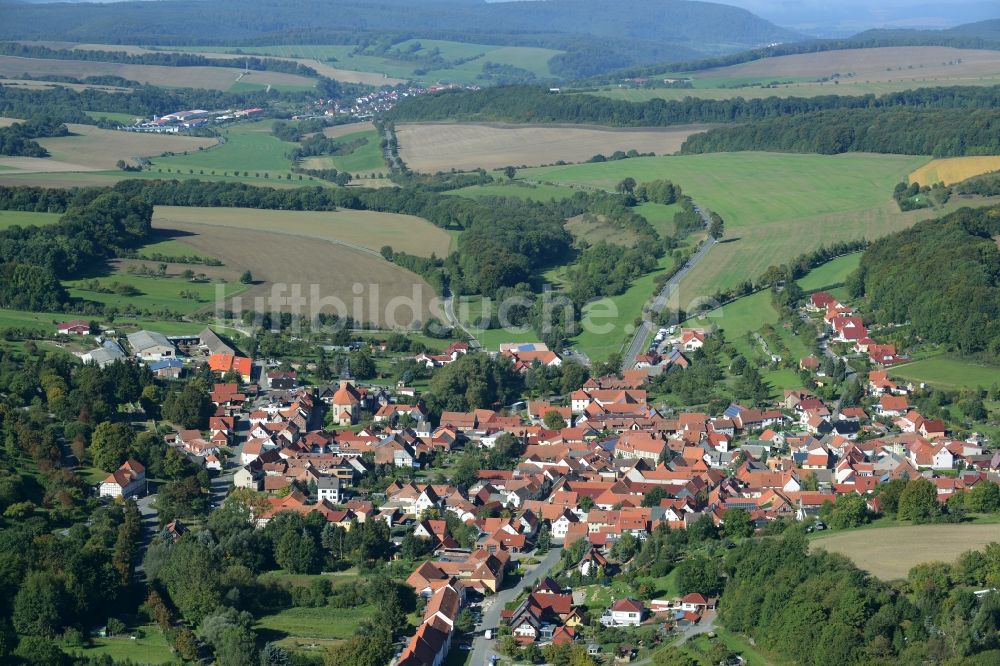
(464, 646)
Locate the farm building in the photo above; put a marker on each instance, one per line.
(150, 346)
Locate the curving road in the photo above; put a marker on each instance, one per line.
(482, 649)
(660, 302)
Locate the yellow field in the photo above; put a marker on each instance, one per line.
(212, 78)
(93, 148)
(431, 147)
(890, 552)
(953, 170)
(350, 228)
(897, 63)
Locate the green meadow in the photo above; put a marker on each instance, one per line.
(156, 293)
(775, 205)
(366, 158)
(10, 218)
(949, 371)
(517, 189)
(248, 148)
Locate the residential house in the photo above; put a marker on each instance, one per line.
(127, 480)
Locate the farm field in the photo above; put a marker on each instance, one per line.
(248, 147)
(157, 293)
(168, 247)
(434, 147)
(897, 63)
(9, 218)
(764, 87)
(517, 189)
(890, 552)
(33, 84)
(212, 78)
(949, 371)
(953, 170)
(351, 228)
(595, 230)
(96, 148)
(347, 281)
(386, 70)
(367, 157)
(338, 131)
(776, 206)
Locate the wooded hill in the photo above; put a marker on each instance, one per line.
(942, 276)
(597, 35)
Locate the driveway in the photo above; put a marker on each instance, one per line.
(482, 649)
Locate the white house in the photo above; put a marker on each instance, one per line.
(127, 480)
(624, 613)
(560, 526)
(328, 488)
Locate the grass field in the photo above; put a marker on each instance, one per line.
(302, 628)
(9, 218)
(126, 118)
(157, 292)
(889, 553)
(953, 170)
(46, 321)
(434, 147)
(776, 206)
(660, 216)
(949, 371)
(830, 275)
(96, 148)
(32, 84)
(168, 247)
(150, 649)
(596, 229)
(248, 148)
(367, 158)
(212, 78)
(352, 228)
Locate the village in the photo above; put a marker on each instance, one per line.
(535, 548)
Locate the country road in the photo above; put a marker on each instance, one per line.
(482, 649)
(454, 322)
(628, 359)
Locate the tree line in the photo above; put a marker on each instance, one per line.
(527, 104)
(18, 139)
(941, 277)
(940, 132)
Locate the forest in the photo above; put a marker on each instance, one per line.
(527, 104)
(942, 277)
(941, 133)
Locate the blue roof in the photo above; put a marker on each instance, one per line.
(732, 410)
(166, 363)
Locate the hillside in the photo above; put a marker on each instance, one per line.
(598, 35)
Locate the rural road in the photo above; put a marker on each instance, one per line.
(449, 311)
(628, 359)
(482, 649)
(390, 159)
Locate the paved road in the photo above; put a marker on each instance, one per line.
(455, 322)
(660, 302)
(482, 649)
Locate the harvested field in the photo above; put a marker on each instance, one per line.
(49, 85)
(349, 281)
(364, 230)
(954, 169)
(42, 165)
(431, 147)
(894, 63)
(212, 78)
(100, 149)
(338, 131)
(890, 552)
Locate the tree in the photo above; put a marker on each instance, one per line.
(716, 228)
(274, 655)
(111, 445)
(918, 501)
(553, 420)
(544, 541)
(298, 552)
(983, 498)
(848, 511)
(626, 186)
(362, 365)
(654, 497)
(737, 523)
(246, 278)
(700, 574)
(586, 503)
(190, 407)
(40, 606)
(509, 172)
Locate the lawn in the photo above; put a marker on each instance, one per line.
(249, 148)
(367, 158)
(150, 649)
(897, 549)
(304, 627)
(608, 324)
(775, 206)
(9, 218)
(158, 293)
(950, 371)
